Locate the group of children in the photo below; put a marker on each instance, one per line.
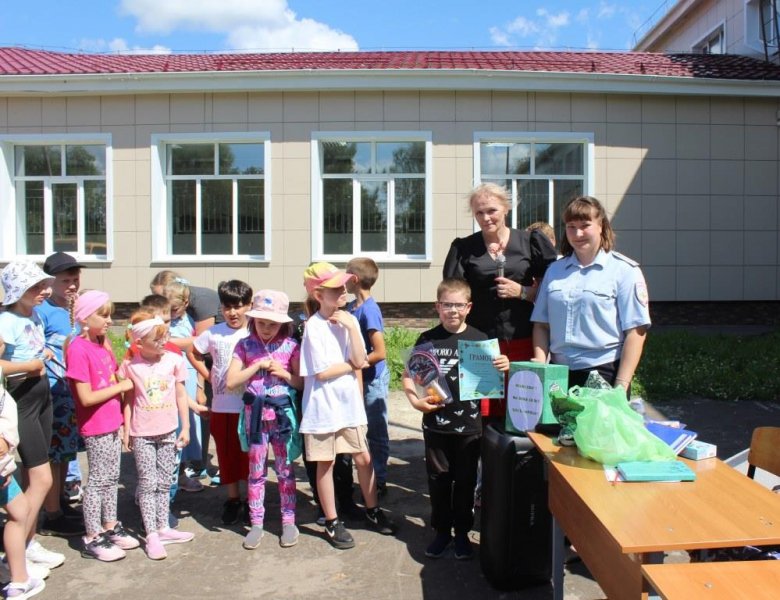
(270, 379)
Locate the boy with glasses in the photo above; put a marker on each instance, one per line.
(451, 431)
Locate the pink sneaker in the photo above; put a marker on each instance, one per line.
(171, 536)
(154, 548)
(102, 548)
(121, 538)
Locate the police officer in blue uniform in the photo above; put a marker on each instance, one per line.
(591, 312)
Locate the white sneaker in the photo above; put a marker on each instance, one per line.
(21, 591)
(40, 555)
(33, 570)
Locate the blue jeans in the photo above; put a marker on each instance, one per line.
(375, 397)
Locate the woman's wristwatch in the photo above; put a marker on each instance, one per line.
(523, 294)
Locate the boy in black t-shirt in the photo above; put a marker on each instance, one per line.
(452, 431)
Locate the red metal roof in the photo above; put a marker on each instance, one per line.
(22, 61)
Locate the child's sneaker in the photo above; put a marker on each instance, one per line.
(121, 538)
(252, 539)
(38, 554)
(189, 484)
(171, 536)
(463, 548)
(380, 522)
(289, 535)
(438, 546)
(231, 511)
(102, 548)
(154, 548)
(338, 535)
(33, 570)
(28, 589)
(73, 491)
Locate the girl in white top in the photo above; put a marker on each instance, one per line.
(334, 418)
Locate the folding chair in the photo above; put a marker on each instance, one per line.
(764, 451)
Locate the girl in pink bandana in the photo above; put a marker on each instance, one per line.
(91, 374)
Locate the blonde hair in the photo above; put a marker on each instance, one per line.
(545, 228)
(177, 289)
(491, 190)
(455, 285)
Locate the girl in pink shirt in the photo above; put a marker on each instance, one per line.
(91, 374)
(153, 410)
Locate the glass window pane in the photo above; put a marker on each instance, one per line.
(410, 216)
(216, 209)
(337, 224)
(65, 217)
(38, 160)
(373, 216)
(241, 159)
(95, 217)
(85, 160)
(191, 159)
(505, 158)
(251, 217)
(30, 216)
(400, 157)
(559, 159)
(346, 157)
(533, 202)
(182, 217)
(564, 191)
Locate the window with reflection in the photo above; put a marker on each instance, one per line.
(216, 198)
(542, 176)
(61, 199)
(373, 198)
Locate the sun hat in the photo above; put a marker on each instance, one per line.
(323, 274)
(271, 306)
(18, 277)
(59, 262)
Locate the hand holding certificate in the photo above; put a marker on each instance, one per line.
(479, 376)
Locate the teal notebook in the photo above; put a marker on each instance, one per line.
(663, 470)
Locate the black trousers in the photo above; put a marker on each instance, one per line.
(451, 462)
(608, 371)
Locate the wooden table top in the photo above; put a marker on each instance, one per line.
(722, 508)
(757, 580)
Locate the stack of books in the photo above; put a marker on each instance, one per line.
(676, 437)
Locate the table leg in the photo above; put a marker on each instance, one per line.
(557, 560)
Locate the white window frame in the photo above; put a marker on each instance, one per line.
(704, 44)
(159, 196)
(317, 213)
(753, 28)
(8, 201)
(525, 137)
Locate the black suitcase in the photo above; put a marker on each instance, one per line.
(515, 525)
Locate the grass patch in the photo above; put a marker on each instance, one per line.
(398, 341)
(680, 364)
(118, 345)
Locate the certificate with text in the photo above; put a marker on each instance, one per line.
(478, 377)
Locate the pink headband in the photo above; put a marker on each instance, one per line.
(88, 303)
(141, 329)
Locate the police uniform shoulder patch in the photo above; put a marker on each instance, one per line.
(640, 289)
(625, 259)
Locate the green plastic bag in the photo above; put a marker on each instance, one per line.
(609, 431)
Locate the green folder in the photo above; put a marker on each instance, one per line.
(662, 470)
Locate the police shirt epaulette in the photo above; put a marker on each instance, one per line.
(625, 259)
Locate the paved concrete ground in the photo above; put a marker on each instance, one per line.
(215, 565)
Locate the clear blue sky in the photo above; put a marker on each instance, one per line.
(281, 25)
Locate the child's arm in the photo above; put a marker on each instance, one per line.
(379, 351)
(127, 413)
(198, 361)
(34, 366)
(238, 374)
(182, 403)
(501, 363)
(357, 351)
(89, 397)
(426, 404)
(276, 369)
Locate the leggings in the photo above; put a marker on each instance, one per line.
(155, 456)
(258, 473)
(104, 452)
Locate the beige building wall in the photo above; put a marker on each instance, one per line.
(691, 182)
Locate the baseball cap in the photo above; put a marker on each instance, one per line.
(59, 262)
(323, 274)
